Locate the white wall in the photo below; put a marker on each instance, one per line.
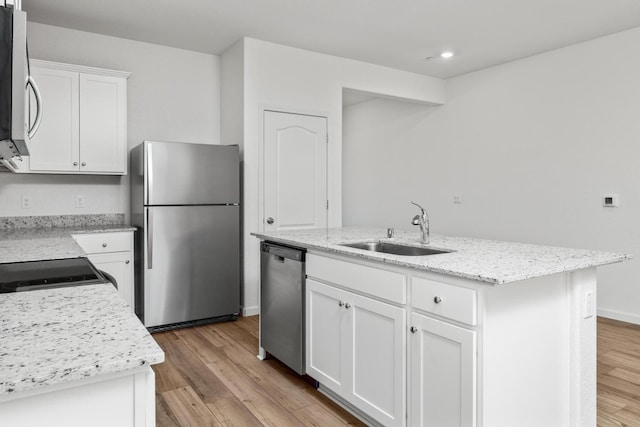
(173, 94)
(290, 79)
(531, 146)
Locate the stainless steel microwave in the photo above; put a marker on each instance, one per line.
(15, 80)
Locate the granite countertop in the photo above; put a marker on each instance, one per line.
(489, 261)
(58, 335)
(33, 244)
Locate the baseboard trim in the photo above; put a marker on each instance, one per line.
(250, 311)
(616, 315)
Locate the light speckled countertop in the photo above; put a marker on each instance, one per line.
(32, 244)
(487, 261)
(57, 335)
(54, 336)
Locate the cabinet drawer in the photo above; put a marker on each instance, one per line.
(455, 302)
(99, 243)
(373, 281)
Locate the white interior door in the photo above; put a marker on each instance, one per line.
(295, 171)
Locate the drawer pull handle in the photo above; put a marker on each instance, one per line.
(340, 303)
(437, 300)
(347, 306)
(413, 329)
(127, 262)
(104, 245)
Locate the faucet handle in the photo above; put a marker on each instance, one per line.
(421, 208)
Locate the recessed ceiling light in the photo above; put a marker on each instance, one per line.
(446, 55)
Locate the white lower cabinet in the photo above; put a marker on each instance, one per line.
(442, 374)
(112, 252)
(120, 266)
(478, 355)
(356, 348)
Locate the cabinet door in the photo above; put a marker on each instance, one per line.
(103, 118)
(55, 147)
(377, 354)
(325, 341)
(443, 374)
(120, 266)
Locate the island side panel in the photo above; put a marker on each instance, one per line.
(583, 348)
(525, 353)
(124, 399)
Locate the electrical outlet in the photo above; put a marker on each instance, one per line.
(26, 202)
(589, 305)
(457, 199)
(79, 201)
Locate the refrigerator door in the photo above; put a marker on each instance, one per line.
(191, 263)
(191, 174)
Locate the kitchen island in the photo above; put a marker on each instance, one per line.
(74, 356)
(487, 334)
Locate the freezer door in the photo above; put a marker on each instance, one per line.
(191, 174)
(191, 263)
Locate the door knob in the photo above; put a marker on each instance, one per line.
(84, 163)
(270, 220)
(413, 329)
(75, 163)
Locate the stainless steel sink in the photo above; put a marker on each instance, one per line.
(394, 248)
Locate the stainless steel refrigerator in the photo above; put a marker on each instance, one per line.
(185, 201)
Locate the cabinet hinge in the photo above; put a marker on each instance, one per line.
(327, 205)
(327, 138)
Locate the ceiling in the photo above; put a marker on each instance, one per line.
(394, 33)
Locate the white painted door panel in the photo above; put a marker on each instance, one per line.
(295, 171)
(102, 123)
(55, 146)
(120, 266)
(325, 340)
(377, 357)
(443, 374)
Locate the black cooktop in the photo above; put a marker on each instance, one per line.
(55, 273)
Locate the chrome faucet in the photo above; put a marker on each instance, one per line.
(423, 221)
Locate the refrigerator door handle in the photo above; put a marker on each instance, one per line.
(149, 239)
(149, 173)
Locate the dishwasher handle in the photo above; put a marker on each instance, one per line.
(281, 253)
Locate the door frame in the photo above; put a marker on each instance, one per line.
(261, 150)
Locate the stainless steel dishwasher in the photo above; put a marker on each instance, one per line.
(282, 304)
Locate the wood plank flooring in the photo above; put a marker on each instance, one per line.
(618, 373)
(212, 377)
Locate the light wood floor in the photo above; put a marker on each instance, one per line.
(212, 377)
(618, 373)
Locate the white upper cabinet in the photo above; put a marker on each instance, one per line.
(55, 147)
(84, 122)
(103, 131)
